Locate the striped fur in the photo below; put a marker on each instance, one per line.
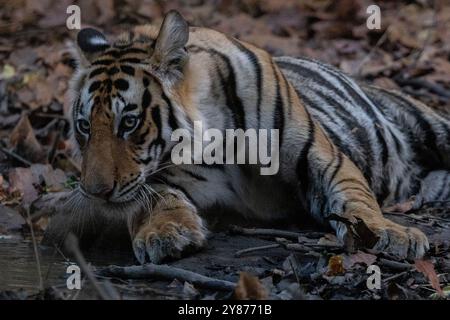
(345, 148)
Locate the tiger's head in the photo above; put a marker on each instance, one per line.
(123, 108)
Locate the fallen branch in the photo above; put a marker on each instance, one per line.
(165, 272)
(36, 253)
(395, 276)
(15, 156)
(395, 264)
(253, 249)
(265, 232)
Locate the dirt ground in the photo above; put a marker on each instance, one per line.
(410, 52)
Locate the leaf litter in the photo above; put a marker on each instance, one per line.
(38, 168)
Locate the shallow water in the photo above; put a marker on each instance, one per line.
(19, 268)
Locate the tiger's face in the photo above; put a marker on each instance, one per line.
(118, 126)
(122, 118)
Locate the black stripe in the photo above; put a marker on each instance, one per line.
(278, 115)
(94, 86)
(103, 62)
(428, 152)
(146, 99)
(253, 59)
(127, 69)
(113, 70)
(337, 167)
(173, 123)
(96, 72)
(132, 50)
(121, 84)
(130, 60)
(350, 180)
(232, 99)
(302, 167)
(130, 107)
(156, 116)
(362, 133)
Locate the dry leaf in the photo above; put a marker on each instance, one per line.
(427, 268)
(359, 257)
(335, 266)
(249, 288)
(28, 180)
(21, 179)
(24, 141)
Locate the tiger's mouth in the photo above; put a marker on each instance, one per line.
(141, 196)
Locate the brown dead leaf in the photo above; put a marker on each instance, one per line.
(29, 180)
(328, 239)
(335, 266)
(10, 220)
(358, 234)
(358, 258)
(249, 288)
(399, 32)
(21, 179)
(25, 143)
(427, 268)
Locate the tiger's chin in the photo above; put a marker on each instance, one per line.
(81, 203)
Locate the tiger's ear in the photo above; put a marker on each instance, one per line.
(91, 43)
(169, 55)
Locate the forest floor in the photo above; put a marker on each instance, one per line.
(410, 52)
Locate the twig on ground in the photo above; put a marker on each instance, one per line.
(265, 232)
(395, 276)
(71, 244)
(395, 264)
(253, 249)
(36, 253)
(380, 41)
(166, 272)
(51, 154)
(15, 156)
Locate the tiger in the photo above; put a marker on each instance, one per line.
(346, 148)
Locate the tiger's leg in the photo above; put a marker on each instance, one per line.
(434, 189)
(172, 227)
(331, 183)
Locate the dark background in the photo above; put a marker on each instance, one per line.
(410, 52)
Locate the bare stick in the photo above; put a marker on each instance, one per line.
(260, 248)
(57, 138)
(265, 232)
(36, 253)
(395, 264)
(395, 276)
(71, 244)
(166, 272)
(14, 155)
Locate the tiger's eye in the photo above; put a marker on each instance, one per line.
(129, 122)
(83, 126)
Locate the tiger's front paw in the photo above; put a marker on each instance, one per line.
(402, 242)
(383, 235)
(157, 242)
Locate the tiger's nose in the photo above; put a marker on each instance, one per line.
(100, 190)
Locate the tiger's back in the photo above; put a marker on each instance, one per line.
(395, 140)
